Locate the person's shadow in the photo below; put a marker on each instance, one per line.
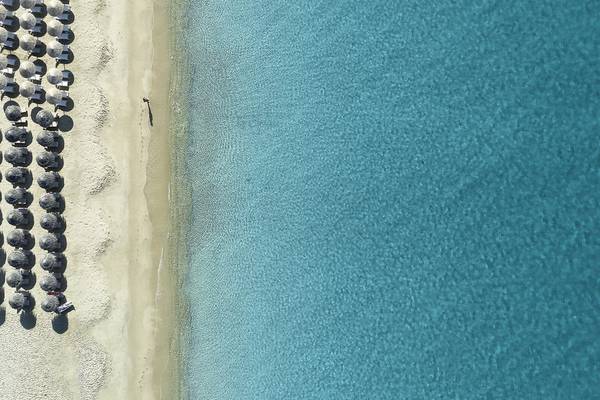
(150, 117)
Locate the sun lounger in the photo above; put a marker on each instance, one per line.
(37, 29)
(37, 79)
(65, 308)
(64, 56)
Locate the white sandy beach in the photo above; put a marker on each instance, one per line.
(108, 350)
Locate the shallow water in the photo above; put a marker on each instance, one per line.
(394, 200)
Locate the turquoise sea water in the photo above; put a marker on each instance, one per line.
(394, 200)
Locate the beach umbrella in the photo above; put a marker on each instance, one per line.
(49, 283)
(18, 156)
(27, 20)
(18, 217)
(29, 3)
(27, 89)
(27, 69)
(44, 118)
(3, 82)
(53, 262)
(48, 160)
(3, 34)
(51, 242)
(50, 303)
(54, 76)
(15, 134)
(55, 28)
(51, 201)
(55, 48)
(3, 61)
(55, 8)
(21, 259)
(13, 113)
(18, 238)
(48, 139)
(49, 180)
(28, 42)
(51, 222)
(54, 96)
(18, 300)
(17, 197)
(15, 279)
(17, 175)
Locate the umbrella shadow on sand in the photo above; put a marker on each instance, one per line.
(60, 323)
(27, 317)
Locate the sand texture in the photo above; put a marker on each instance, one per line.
(106, 348)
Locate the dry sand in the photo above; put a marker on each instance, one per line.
(113, 160)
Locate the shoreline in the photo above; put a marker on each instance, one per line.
(153, 323)
(158, 191)
(170, 361)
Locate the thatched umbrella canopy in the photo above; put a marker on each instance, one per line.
(52, 222)
(55, 48)
(53, 262)
(3, 61)
(55, 28)
(3, 82)
(17, 197)
(29, 4)
(18, 217)
(44, 118)
(50, 180)
(49, 283)
(16, 279)
(27, 69)
(3, 34)
(55, 8)
(27, 21)
(18, 156)
(18, 238)
(54, 96)
(51, 242)
(51, 201)
(13, 112)
(27, 89)
(22, 259)
(19, 300)
(9, 4)
(47, 160)
(50, 303)
(17, 175)
(15, 134)
(48, 139)
(27, 42)
(54, 76)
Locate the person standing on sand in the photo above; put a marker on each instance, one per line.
(147, 101)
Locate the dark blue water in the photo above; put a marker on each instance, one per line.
(394, 200)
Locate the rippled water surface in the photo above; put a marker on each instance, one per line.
(394, 200)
